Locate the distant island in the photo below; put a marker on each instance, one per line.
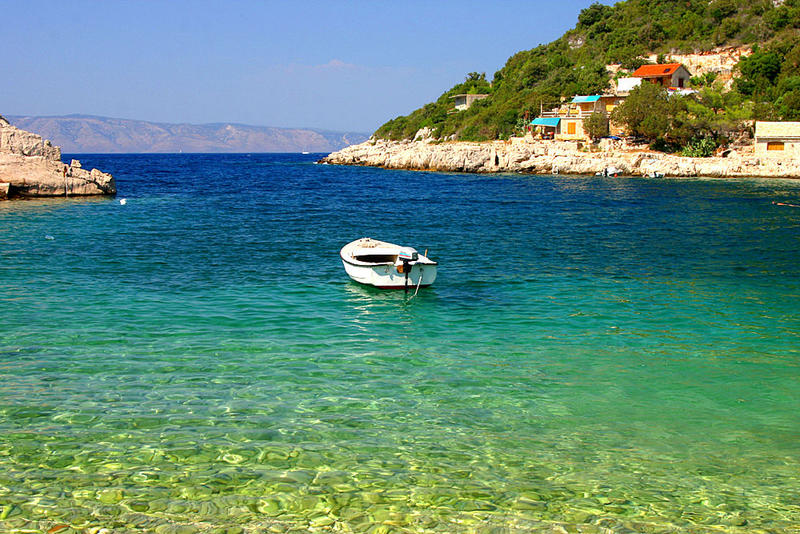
(91, 134)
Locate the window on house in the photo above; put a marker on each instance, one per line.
(775, 145)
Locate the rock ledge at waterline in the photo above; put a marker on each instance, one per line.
(32, 167)
(546, 157)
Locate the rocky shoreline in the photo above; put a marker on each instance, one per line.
(555, 157)
(31, 167)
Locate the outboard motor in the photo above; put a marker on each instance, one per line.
(407, 255)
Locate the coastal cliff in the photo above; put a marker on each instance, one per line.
(547, 157)
(31, 167)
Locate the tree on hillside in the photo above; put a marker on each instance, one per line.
(596, 125)
(720, 9)
(475, 82)
(698, 124)
(759, 71)
(645, 112)
(593, 14)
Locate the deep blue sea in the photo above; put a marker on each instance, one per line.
(596, 355)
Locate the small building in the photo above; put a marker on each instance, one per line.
(464, 101)
(665, 75)
(777, 139)
(578, 109)
(625, 85)
(566, 121)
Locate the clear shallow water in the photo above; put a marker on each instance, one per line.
(596, 353)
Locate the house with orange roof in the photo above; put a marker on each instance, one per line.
(665, 75)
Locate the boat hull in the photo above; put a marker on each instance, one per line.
(387, 277)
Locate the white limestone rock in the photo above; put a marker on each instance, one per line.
(522, 155)
(32, 166)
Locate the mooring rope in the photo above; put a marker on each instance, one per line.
(418, 283)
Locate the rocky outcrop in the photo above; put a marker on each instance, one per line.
(547, 157)
(31, 167)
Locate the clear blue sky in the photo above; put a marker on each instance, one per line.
(348, 65)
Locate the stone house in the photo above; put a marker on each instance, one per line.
(665, 75)
(464, 101)
(777, 139)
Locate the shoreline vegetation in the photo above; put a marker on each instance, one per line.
(526, 155)
(741, 58)
(744, 69)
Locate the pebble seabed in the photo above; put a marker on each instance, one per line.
(239, 484)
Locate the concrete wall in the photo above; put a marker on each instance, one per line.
(680, 74)
(564, 129)
(460, 102)
(791, 148)
(463, 102)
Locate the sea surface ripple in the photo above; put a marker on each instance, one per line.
(599, 354)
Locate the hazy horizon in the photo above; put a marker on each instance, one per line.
(217, 123)
(337, 67)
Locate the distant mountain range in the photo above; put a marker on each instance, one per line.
(89, 134)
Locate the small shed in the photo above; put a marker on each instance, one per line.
(464, 101)
(665, 75)
(777, 139)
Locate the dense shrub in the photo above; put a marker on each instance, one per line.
(596, 125)
(699, 148)
(673, 122)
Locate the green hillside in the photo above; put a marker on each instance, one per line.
(769, 86)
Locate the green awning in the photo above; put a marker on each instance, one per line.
(552, 123)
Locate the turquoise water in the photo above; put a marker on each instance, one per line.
(596, 355)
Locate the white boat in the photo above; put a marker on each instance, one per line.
(609, 171)
(386, 265)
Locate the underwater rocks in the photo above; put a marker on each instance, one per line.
(31, 167)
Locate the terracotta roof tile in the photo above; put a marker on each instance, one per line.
(656, 71)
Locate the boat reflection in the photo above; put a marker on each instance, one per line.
(378, 306)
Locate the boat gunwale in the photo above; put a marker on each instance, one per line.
(421, 260)
(352, 261)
